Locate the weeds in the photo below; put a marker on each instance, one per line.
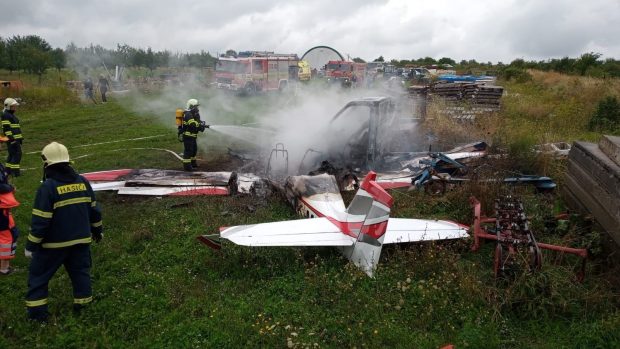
(155, 286)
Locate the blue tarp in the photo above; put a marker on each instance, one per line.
(462, 78)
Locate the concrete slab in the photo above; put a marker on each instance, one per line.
(610, 146)
(578, 198)
(607, 200)
(597, 165)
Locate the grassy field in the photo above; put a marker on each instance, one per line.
(155, 286)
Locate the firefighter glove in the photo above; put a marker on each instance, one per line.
(28, 253)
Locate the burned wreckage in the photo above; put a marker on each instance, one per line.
(366, 139)
(367, 134)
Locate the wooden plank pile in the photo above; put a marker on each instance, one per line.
(465, 100)
(593, 182)
(474, 93)
(487, 95)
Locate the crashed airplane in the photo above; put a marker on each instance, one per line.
(365, 135)
(359, 231)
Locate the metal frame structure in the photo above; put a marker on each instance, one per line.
(511, 232)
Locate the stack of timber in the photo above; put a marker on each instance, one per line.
(463, 100)
(593, 182)
(474, 93)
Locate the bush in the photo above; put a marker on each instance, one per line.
(47, 97)
(517, 74)
(606, 118)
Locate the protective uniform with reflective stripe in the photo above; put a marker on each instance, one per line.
(64, 215)
(71, 207)
(13, 131)
(10, 126)
(191, 124)
(191, 127)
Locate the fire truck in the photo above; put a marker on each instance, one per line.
(252, 72)
(344, 72)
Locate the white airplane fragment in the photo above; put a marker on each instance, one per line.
(163, 182)
(359, 231)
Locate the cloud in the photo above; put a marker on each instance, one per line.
(483, 29)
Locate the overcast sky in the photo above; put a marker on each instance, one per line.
(485, 30)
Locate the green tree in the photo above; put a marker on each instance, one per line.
(231, 53)
(379, 59)
(29, 53)
(518, 63)
(611, 67)
(606, 118)
(427, 60)
(149, 60)
(446, 60)
(3, 53)
(358, 60)
(138, 58)
(59, 59)
(586, 61)
(564, 65)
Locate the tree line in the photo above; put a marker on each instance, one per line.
(588, 64)
(32, 54)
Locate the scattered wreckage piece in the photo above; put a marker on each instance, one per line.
(557, 150)
(431, 171)
(441, 170)
(359, 230)
(454, 158)
(510, 229)
(593, 182)
(437, 183)
(163, 182)
(251, 184)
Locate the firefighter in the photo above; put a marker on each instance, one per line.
(189, 130)
(65, 220)
(12, 130)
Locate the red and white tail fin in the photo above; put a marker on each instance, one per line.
(374, 203)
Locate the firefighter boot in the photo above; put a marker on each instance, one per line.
(194, 164)
(38, 315)
(77, 308)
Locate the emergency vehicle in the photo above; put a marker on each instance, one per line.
(344, 70)
(256, 71)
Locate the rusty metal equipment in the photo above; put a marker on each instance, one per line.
(510, 229)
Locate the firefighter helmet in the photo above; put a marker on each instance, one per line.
(55, 153)
(192, 104)
(9, 102)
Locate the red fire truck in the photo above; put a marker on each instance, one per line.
(344, 72)
(254, 72)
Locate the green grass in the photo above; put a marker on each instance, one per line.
(155, 286)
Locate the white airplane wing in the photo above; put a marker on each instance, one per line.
(300, 232)
(400, 230)
(104, 186)
(174, 191)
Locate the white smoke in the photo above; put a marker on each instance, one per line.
(299, 119)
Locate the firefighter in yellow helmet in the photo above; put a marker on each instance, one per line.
(65, 219)
(12, 130)
(189, 132)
